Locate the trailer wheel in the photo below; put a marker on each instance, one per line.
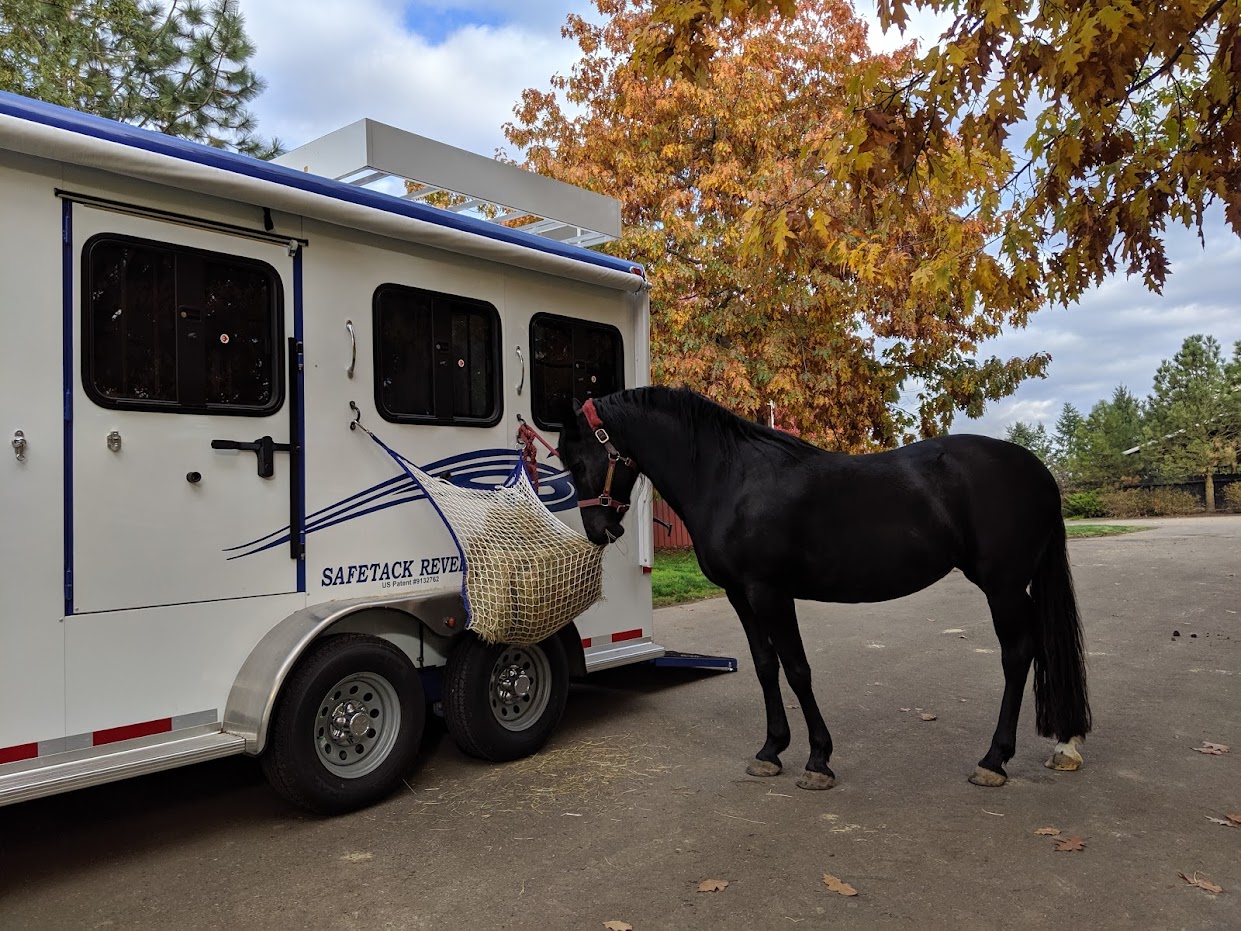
(346, 726)
(502, 702)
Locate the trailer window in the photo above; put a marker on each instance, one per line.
(571, 359)
(175, 329)
(437, 358)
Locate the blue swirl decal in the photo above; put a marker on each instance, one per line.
(482, 470)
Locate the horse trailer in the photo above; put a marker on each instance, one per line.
(201, 558)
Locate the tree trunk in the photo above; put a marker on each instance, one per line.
(1210, 491)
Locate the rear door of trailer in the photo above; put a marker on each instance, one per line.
(567, 340)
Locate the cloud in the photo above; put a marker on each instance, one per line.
(1120, 332)
(449, 71)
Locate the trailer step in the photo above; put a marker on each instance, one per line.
(674, 659)
(113, 763)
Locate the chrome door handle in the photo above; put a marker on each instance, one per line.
(522, 359)
(19, 445)
(353, 348)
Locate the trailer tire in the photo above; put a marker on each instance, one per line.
(502, 702)
(322, 752)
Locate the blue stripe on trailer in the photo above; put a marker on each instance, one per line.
(97, 127)
(66, 246)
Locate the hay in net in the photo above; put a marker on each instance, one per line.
(527, 574)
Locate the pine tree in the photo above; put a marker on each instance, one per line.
(1194, 414)
(1109, 430)
(1066, 440)
(1032, 436)
(179, 68)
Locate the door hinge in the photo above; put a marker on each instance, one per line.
(68, 586)
(300, 359)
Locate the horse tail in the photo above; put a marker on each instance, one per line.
(1061, 704)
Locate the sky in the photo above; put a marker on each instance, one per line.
(452, 71)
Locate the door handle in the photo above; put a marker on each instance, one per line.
(522, 359)
(264, 447)
(353, 349)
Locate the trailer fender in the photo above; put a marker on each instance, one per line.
(254, 691)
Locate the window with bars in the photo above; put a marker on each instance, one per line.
(437, 358)
(571, 359)
(169, 328)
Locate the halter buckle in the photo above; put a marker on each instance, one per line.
(602, 435)
(605, 501)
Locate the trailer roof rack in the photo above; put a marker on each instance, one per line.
(380, 157)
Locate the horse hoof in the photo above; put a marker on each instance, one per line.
(1065, 758)
(812, 780)
(988, 777)
(763, 768)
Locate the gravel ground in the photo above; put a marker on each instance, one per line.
(641, 793)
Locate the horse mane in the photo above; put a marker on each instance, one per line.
(710, 428)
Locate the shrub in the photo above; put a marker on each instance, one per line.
(1083, 504)
(1232, 496)
(1149, 502)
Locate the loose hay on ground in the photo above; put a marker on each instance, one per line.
(590, 774)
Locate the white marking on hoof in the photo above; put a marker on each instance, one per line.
(1065, 758)
(763, 768)
(812, 780)
(988, 777)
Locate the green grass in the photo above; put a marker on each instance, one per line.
(677, 579)
(1077, 531)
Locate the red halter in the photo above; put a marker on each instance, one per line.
(605, 499)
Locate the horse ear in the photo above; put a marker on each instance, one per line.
(568, 417)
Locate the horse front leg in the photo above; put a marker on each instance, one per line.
(781, 617)
(767, 667)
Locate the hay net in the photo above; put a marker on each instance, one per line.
(526, 573)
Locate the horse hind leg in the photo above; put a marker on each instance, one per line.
(767, 667)
(1013, 616)
(1066, 758)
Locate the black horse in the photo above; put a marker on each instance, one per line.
(775, 519)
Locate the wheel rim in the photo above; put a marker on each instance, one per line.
(520, 687)
(357, 724)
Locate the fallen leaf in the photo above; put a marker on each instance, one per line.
(1235, 818)
(1071, 843)
(618, 926)
(1212, 749)
(927, 716)
(713, 885)
(904, 709)
(1201, 883)
(358, 857)
(1224, 821)
(1048, 832)
(836, 885)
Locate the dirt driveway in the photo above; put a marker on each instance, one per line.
(642, 794)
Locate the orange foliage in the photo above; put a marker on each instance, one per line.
(774, 279)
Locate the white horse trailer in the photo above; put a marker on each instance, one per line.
(200, 558)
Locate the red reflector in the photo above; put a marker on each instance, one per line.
(20, 752)
(585, 643)
(646, 570)
(626, 635)
(130, 731)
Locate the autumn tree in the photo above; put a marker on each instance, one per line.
(178, 67)
(1108, 119)
(1193, 420)
(827, 310)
